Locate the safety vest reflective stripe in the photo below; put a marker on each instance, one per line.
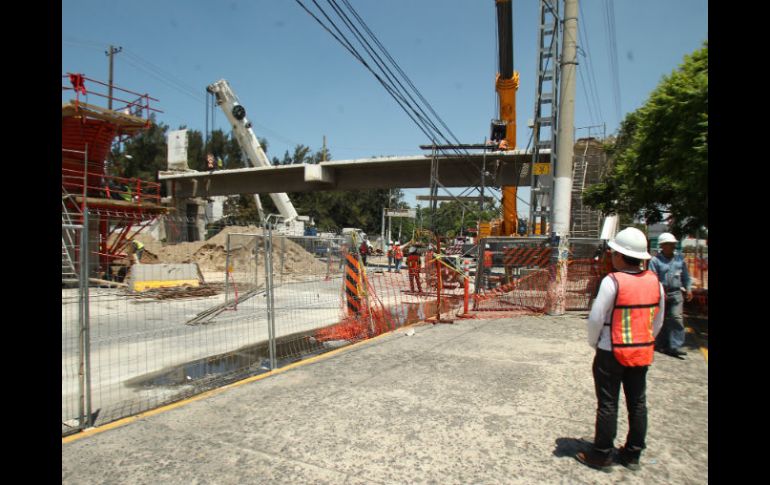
(636, 305)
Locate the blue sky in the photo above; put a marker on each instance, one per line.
(298, 84)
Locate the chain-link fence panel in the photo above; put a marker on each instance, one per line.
(74, 408)
(163, 325)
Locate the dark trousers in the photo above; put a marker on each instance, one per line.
(608, 376)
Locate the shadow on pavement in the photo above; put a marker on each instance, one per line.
(570, 446)
(699, 337)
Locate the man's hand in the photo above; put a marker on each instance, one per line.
(688, 295)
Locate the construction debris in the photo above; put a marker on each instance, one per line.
(186, 291)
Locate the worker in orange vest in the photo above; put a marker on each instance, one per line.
(413, 263)
(398, 256)
(625, 318)
(487, 266)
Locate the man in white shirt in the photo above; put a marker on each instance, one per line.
(626, 316)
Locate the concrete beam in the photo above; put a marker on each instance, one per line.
(319, 173)
(362, 174)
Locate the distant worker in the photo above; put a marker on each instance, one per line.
(210, 161)
(390, 255)
(126, 194)
(136, 249)
(220, 163)
(672, 272)
(398, 256)
(364, 251)
(624, 320)
(413, 263)
(487, 265)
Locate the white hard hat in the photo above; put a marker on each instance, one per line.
(412, 249)
(486, 246)
(390, 242)
(631, 242)
(666, 237)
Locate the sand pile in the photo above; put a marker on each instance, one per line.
(246, 253)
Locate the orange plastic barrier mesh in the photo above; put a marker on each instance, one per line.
(530, 292)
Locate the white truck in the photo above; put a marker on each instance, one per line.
(290, 222)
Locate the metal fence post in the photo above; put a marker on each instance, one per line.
(269, 293)
(85, 322)
(283, 253)
(328, 257)
(480, 245)
(228, 272)
(81, 336)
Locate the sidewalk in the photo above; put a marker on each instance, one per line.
(504, 401)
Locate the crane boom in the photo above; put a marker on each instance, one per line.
(236, 115)
(506, 84)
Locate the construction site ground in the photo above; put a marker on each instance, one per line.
(497, 400)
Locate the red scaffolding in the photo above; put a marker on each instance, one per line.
(119, 204)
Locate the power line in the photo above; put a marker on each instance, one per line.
(588, 100)
(382, 72)
(593, 86)
(612, 52)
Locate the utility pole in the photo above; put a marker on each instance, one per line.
(111, 53)
(562, 180)
(323, 152)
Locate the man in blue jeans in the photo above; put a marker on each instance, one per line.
(671, 270)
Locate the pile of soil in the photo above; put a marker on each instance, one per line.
(211, 255)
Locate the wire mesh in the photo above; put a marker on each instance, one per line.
(173, 338)
(198, 305)
(73, 405)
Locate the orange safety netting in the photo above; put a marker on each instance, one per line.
(698, 267)
(531, 291)
(391, 299)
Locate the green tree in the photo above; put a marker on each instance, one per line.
(142, 155)
(661, 154)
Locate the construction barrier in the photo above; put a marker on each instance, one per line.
(352, 285)
(264, 300)
(144, 277)
(698, 268)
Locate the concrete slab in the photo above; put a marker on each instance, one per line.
(479, 401)
(147, 276)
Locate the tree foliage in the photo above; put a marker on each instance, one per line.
(660, 157)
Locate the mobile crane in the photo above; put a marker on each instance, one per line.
(291, 222)
(504, 128)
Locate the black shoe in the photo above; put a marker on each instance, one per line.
(595, 460)
(628, 460)
(678, 353)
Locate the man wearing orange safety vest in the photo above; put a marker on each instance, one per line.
(487, 265)
(413, 263)
(624, 320)
(398, 256)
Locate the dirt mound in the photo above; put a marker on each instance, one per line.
(246, 256)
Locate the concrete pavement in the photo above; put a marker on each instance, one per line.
(479, 401)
